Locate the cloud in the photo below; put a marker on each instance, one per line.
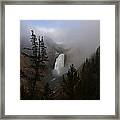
(82, 37)
(46, 30)
(55, 33)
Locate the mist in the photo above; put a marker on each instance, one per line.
(77, 39)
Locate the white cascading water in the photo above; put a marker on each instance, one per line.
(59, 63)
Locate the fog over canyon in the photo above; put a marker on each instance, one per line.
(72, 39)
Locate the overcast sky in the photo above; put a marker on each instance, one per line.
(82, 36)
(64, 30)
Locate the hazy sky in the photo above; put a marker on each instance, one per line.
(64, 30)
(81, 36)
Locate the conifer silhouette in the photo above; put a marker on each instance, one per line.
(38, 58)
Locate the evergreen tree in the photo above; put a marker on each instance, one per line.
(70, 83)
(38, 59)
(47, 92)
(83, 83)
(90, 77)
(44, 56)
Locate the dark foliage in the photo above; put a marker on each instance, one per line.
(70, 82)
(47, 92)
(38, 60)
(83, 83)
(90, 78)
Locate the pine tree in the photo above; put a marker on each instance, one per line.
(70, 83)
(90, 77)
(83, 83)
(38, 59)
(44, 56)
(47, 92)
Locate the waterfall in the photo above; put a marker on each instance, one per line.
(59, 64)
